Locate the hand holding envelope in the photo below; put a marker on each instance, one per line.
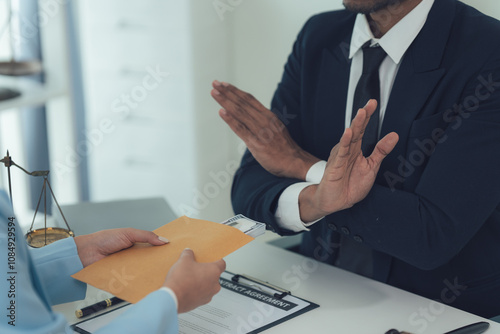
(135, 272)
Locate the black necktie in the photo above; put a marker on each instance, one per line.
(368, 87)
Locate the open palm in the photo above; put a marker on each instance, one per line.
(349, 175)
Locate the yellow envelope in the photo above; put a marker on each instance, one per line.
(135, 272)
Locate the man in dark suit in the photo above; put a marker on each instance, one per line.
(427, 217)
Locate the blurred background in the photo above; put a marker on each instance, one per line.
(122, 106)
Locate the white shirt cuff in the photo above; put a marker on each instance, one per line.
(288, 213)
(172, 293)
(315, 173)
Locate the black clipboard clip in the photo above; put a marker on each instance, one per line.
(282, 292)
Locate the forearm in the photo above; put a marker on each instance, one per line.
(300, 165)
(308, 205)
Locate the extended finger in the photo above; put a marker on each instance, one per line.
(246, 103)
(239, 128)
(383, 148)
(370, 107)
(249, 125)
(360, 122)
(232, 98)
(358, 126)
(239, 97)
(244, 113)
(341, 155)
(135, 235)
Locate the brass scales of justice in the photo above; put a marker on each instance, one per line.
(43, 236)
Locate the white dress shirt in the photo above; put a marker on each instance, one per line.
(395, 43)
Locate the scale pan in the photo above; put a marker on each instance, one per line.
(36, 238)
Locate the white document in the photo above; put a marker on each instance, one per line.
(239, 308)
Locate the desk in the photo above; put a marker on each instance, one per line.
(349, 303)
(145, 213)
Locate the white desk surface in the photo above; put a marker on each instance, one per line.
(349, 303)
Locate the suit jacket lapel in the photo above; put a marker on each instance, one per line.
(331, 96)
(417, 77)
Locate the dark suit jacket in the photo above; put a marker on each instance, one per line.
(432, 218)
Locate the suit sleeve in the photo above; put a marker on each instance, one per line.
(255, 191)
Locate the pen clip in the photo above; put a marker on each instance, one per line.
(282, 292)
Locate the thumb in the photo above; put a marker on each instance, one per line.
(384, 147)
(187, 255)
(221, 265)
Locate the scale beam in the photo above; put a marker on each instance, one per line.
(40, 237)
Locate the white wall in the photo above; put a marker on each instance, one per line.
(258, 35)
(263, 35)
(198, 42)
(145, 147)
(489, 7)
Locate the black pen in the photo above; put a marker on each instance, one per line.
(98, 306)
(475, 328)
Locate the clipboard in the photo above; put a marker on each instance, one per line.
(80, 327)
(249, 304)
(276, 292)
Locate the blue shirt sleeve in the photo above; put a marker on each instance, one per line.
(155, 314)
(54, 264)
(28, 289)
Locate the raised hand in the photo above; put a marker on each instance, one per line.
(349, 175)
(263, 132)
